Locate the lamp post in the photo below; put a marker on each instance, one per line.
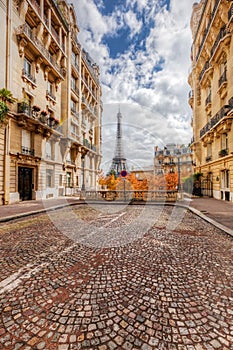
(83, 188)
(178, 153)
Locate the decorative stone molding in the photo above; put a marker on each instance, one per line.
(57, 82)
(23, 8)
(22, 43)
(39, 60)
(46, 72)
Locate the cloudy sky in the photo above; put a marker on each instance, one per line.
(143, 50)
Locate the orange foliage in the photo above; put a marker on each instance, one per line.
(109, 181)
(149, 182)
(172, 181)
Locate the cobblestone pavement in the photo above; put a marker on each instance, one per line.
(159, 289)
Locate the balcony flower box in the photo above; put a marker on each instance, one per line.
(223, 152)
(44, 113)
(43, 116)
(36, 108)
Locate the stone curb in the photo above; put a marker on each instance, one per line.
(40, 211)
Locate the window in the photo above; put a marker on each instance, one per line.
(224, 142)
(73, 105)
(48, 150)
(60, 180)
(223, 73)
(50, 87)
(26, 138)
(68, 179)
(73, 83)
(49, 178)
(68, 157)
(74, 58)
(27, 67)
(225, 179)
(76, 180)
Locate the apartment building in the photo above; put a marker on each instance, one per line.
(50, 141)
(173, 158)
(211, 97)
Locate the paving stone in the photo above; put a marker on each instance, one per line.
(163, 290)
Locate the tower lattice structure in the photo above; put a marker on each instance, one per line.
(119, 160)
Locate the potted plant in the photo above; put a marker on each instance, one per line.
(43, 114)
(36, 108)
(6, 97)
(223, 152)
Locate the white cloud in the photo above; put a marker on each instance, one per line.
(153, 102)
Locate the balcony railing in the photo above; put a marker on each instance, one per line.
(28, 151)
(213, 121)
(221, 34)
(208, 26)
(206, 66)
(90, 65)
(29, 76)
(223, 78)
(26, 30)
(41, 118)
(87, 144)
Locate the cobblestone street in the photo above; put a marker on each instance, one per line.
(115, 278)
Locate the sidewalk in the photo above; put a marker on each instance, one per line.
(21, 209)
(217, 212)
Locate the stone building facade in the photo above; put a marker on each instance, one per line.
(211, 97)
(50, 142)
(173, 159)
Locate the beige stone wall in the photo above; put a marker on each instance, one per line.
(212, 54)
(57, 67)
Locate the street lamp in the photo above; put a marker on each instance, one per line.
(83, 154)
(178, 153)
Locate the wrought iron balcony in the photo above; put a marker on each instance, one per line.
(206, 66)
(208, 25)
(28, 151)
(37, 117)
(221, 35)
(87, 144)
(213, 121)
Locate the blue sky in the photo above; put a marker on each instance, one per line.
(143, 50)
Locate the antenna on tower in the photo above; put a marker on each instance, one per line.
(119, 160)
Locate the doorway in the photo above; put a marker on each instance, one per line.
(25, 183)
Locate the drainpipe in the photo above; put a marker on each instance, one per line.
(6, 175)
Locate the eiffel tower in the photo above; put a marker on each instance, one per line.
(119, 160)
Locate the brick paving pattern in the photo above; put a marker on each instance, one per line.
(162, 290)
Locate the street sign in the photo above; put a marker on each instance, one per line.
(123, 173)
